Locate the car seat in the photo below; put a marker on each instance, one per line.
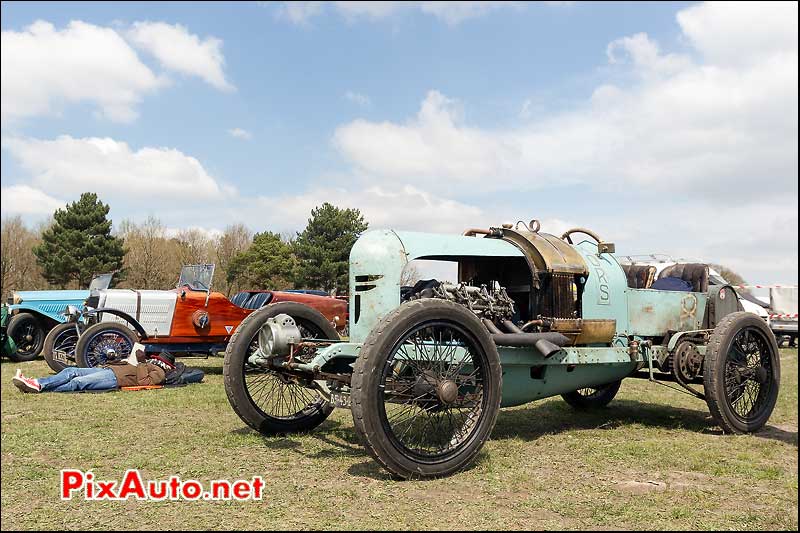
(240, 298)
(639, 276)
(694, 273)
(258, 300)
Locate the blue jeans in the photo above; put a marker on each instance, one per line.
(75, 379)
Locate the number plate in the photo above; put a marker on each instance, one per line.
(61, 357)
(340, 400)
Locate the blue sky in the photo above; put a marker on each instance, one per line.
(669, 127)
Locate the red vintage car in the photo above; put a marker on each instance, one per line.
(188, 320)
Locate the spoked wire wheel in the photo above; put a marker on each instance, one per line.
(426, 389)
(102, 343)
(741, 373)
(281, 396)
(592, 397)
(269, 400)
(748, 373)
(431, 390)
(59, 346)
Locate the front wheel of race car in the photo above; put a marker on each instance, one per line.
(268, 401)
(104, 342)
(426, 389)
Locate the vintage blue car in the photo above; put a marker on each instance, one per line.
(35, 313)
(530, 315)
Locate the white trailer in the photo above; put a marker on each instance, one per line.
(783, 314)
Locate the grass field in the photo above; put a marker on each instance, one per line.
(652, 460)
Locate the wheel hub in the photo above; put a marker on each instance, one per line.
(687, 362)
(106, 349)
(447, 391)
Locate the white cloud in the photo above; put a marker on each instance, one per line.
(298, 12)
(451, 13)
(211, 234)
(44, 68)
(739, 32)
(25, 200)
(177, 49)
(240, 133)
(359, 99)
(714, 130)
(433, 144)
(645, 55)
(375, 10)
(67, 166)
(381, 206)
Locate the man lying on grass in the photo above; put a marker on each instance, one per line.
(135, 371)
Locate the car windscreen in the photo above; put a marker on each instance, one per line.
(198, 277)
(101, 282)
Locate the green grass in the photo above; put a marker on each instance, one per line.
(652, 460)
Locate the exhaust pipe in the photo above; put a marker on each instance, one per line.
(547, 344)
(546, 348)
(511, 327)
(490, 326)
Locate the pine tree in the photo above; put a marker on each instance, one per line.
(323, 248)
(269, 263)
(79, 244)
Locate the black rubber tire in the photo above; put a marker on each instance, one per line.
(91, 331)
(601, 397)
(236, 355)
(366, 380)
(56, 335)
(714, 372)
(15, 329)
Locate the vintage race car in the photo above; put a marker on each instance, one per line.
(35, 313)
(530, 316)
(188, 320)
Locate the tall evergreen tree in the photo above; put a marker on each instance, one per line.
(323, 248)
(79, 244)
(269, 263)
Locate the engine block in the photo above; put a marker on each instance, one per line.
(493, 304)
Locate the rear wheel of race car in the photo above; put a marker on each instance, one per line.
(268, 401)
(741, 373)
(426, 389)
(59, 346)
(28, 334)
(104, 342)
(592, 397)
